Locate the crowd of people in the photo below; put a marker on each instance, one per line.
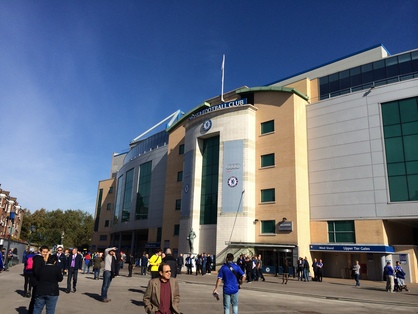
(44, 270)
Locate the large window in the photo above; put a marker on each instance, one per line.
(267, 127)
(386, 71)
(267, 160)
(143, 191)
(400, 128)
(127, 198)
(118, 200)
(341, 232)
(268, 195)
(268, 226)
(210, 169)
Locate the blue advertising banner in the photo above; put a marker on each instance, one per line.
(349, 248)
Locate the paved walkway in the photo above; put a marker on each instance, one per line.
(333, 295)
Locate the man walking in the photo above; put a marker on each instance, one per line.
(163, 293)
(155, 261)
(74, 266)
(231, 275)
(356, 273)
(109, 271)
(390, 279)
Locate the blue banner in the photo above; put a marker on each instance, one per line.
(353, 248)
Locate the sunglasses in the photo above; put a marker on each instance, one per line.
(167, 271)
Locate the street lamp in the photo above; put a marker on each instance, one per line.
(62, 237)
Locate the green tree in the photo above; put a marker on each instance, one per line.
(45, 227)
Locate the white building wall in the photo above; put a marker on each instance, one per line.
(347, 171)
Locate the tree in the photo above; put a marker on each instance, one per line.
(45, 227)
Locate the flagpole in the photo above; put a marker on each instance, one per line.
(223, 71)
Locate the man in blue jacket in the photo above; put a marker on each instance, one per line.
(232, 276)
(390, 279)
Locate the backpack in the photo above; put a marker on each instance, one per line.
(29, 263)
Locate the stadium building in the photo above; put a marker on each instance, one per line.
(323, 164)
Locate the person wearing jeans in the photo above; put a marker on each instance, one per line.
(231, 275)
(47, 289)
(109, 271)
(356, 273)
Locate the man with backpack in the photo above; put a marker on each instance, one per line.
(27, 273)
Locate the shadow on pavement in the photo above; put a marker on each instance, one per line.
(22, 310)
(95, 296)
(137, 290)
(137, 303)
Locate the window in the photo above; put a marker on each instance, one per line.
(106, 223)
(179, 176)
(181, 149)
(210, 176)
(127, 199)
(267, 160)
(159, 233)
(111, 190)
(103, 237)
(267, 127)
(268, 226)
(108, 206)
(143, 190)
(341, 232)
(268, 195)
(176, 229)
(178, 204)
(400, 129)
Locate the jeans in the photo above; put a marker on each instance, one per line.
(86, 268)
(107, 279)
(49, 300)
(228, 300)
(305, 275)
(357, 279)
(96, 272)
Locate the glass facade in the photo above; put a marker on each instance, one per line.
(341, 232)
(267, 160)
(210, 175)
(127, 197)
(157, 140)
(143, 191)
(400, 129)
(267, 127)
(382, 72)
(118, 200)
(99, 208)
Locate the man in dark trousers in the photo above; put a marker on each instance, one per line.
(130, 260)
(38, 262)
(74, 266)
(61, 260)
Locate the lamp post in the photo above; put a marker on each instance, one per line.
(62, 238)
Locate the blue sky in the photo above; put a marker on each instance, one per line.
(80, 79)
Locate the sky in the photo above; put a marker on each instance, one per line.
(80, 79)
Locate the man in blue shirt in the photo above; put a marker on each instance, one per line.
(232, 276)
(390, 279)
